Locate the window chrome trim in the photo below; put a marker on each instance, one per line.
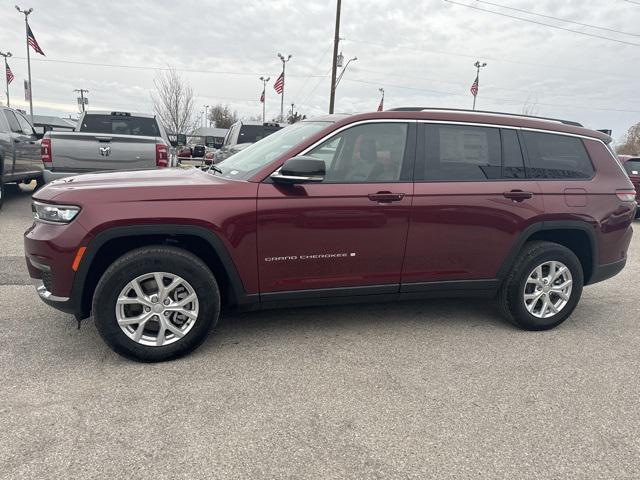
(354, 124)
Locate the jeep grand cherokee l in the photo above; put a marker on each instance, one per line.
(373, 207)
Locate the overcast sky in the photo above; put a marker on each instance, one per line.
(420, 51)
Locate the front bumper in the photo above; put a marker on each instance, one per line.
(64, 304)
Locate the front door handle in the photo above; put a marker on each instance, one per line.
(385, 197)
(103, 139)
(517, 195)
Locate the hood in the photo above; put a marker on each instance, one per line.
(165, 184)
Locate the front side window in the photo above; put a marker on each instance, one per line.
(13, 121)
(370, 153)
(555, 156)
(462, 153)
(25, 126)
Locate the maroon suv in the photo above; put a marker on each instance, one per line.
(392, 205)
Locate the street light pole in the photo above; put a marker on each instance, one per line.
(344, 70)
(264, 96)
(478, 66)
(284, 61)
(26, 30)
(334, 65)
(206, 115)
(6, 70)
(82, 91)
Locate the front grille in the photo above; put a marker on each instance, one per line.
(47, 280)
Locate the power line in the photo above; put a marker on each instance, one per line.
(505, 100)
(139, 67)
(559, 19)
(493, 59)
(631, 1)
(543, 24)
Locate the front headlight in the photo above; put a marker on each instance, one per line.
(54, 213)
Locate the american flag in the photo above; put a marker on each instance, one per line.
(10, 76)
(474, 87)
(262, 96)
(279, 85)
(32, 41)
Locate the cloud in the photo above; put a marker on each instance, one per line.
(421, 52)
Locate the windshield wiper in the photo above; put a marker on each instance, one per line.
(214, 168)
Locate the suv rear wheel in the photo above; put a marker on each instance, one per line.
(156, 303)
(543, 287)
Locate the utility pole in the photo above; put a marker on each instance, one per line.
(81, 91)
(284, 61)
(478, 66)
(292, 105)
(6, 71)
(26, 24)
(336, 40)
(206, 115)
(263, 97)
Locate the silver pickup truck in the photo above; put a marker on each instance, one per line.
(106, 141)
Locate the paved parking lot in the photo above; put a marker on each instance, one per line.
(438, 389)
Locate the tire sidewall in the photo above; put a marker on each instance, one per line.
(516, 289)
(139, 263)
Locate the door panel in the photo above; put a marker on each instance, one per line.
(349, 230)
(29, 146)
(464, 230)
(330, 235)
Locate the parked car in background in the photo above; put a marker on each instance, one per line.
(631, 164)
(198, 151)
(19, 150)
(183, 152)
(106, 141)
(242, 134)
(375, 207)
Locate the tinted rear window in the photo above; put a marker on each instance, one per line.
(632, 166)
(120, 125)
(557, 156)
(251, 133)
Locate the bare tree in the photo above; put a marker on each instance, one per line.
(631, 142)
(222, 116)
(174, 102)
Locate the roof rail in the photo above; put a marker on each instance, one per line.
(462, 110)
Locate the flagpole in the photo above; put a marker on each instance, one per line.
(264, 96)
(478, 65)
(26, 32)
(6, 72)
(282, 59)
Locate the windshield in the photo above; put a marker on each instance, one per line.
(246, 162)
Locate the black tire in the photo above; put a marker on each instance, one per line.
(155, 259)
(511, 294)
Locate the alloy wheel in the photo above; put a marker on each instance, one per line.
(157, 309)
(547, 289)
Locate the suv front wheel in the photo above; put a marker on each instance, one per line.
(543, 287)
(156, 303)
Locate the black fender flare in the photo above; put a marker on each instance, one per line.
(98, 241)
(526, 234)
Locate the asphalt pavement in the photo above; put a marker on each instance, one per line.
(436, 389)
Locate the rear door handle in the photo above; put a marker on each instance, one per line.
(517, 195)
(385, 197)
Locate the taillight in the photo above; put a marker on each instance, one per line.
(162, 156)
(626, 195)
(45, 151)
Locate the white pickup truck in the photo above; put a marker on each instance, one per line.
(104, 141)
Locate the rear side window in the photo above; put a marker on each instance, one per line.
(250, 133)
(25, 126)
(120, 125)
(513, 163)
(13, 121)
(554, 156)
(459, 153)
(632, 166)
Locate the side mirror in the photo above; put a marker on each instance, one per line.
(300, 170)
(39, 135)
